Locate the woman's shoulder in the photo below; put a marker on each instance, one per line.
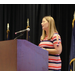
(56, 35)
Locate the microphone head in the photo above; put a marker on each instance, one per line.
(28, 29)
(15, 33)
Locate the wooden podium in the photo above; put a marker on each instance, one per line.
(22, 55)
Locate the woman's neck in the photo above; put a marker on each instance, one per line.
(47, 32)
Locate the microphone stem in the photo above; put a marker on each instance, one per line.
(18, 36)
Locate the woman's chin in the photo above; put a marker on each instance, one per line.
(43, 28)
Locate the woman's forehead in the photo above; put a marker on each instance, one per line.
(43, 19)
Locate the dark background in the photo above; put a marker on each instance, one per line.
(16, 15)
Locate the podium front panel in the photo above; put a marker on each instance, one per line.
(31, 57)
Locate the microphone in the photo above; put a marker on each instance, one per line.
(28, 29)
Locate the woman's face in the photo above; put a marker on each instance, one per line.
(45, 24)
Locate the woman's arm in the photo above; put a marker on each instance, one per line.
(57, 50)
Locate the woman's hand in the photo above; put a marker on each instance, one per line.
(43, 48)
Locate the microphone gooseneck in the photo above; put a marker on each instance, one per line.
(28, 29)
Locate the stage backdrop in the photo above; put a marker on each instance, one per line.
(16, 15)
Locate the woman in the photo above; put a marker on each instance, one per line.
(51, 41)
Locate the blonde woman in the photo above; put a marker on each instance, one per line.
(51, 41)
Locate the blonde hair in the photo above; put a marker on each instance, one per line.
(52, 28)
